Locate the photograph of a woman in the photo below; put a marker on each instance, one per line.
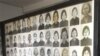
(86, 10)
(75, 19)
(29, 40)
(74, 53)
(64, 38)
(41, 22)
(36, 52)
(41, 42)
(56, 52)
(48, 37)
(42, 52)
(34, 23)
(29, 27)
(65, 52)
(63, 22)
(24, 25)
(47, 20)
(86, 51)
(19, 26)
(35, 40)
(55, 19)
(48, 52)
(86, 40)
(56, 38)
(74, 41)
(15, 41)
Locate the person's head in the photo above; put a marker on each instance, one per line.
(74, 53)
(63, 15)
(64, 34)
(74, 33)
(65, 52)
(74, 12)
(48, 52)
(55, 16)
(35, 36)
(35, 51)
(42, 52)
(48, 18)
(56, 36)
(86, 8)
(48, 35)
(86, 31)
(41, 19)
(86, 51)
(29, 38)
(41, 35)
(56, 52)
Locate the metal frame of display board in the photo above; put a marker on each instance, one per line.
(61, 5)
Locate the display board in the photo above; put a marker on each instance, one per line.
(67, 31)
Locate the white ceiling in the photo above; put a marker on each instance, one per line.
(19, 3)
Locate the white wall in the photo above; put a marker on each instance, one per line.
(8, 11)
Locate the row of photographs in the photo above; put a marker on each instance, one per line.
(59, 37)
(42, 51)
(69, 16)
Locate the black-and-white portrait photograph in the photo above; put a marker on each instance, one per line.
(29, 27)
(15, 41)
(47, 21)
(74, 53)
(75, 19)
(24, 41)
(36, 52)
(64, 21)
(64, 37)
(49, 52)
(34, 22)
(56, 39)
(74, 41)
(65, 52)
(48, 38)
(56, 52)
(41, 42)
(24, 25)
(86, 10)
(30, 44)
(55, 19)
(35, 43)
(41, 22)
(86, 51)
(86, 39)
(42, 52)
(19, 26)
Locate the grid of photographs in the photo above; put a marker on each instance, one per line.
(64, 32)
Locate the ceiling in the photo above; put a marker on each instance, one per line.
(19, 3)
